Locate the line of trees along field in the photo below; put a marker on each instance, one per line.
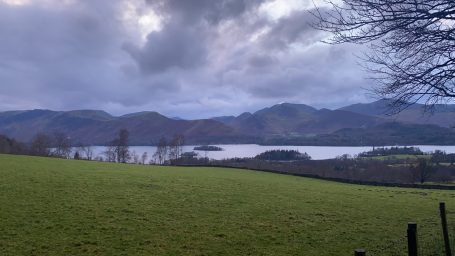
(61, 146)
(118, 151)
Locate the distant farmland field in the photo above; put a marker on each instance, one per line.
(63, 207)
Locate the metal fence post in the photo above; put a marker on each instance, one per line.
(445, 232)
(412, 239)
(359, 252)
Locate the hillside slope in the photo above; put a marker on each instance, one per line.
(440, 115)
(299, 119)
(96, 127)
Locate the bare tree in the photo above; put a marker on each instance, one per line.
(62, 145)
(173, 151)
(121, 146)
(135, 157)
(5, 145)
(176, 147)
(422, 171)
(161, 151)
(41, 145)
(412, 45)
(144, 158)
(110, 154)
(11, 146)
(88, 152)
(180, 142)
(77, 155)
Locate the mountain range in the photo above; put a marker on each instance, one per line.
(286, 123)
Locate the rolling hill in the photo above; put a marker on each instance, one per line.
(440, 115)
(386, 134)
(299, 119)
(97, 127)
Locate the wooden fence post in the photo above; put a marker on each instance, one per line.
(445, 232)
(359, 252)
(412, 239)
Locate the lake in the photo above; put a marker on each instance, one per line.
(251, 150)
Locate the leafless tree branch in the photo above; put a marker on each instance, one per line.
(412, 45)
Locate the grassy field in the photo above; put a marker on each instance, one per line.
(63, 207)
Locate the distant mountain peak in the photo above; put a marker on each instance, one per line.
(87, 113)
(287, 109)
(224, 119)
(143, 114)
(245, 114)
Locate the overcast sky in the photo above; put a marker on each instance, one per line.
(187, 58)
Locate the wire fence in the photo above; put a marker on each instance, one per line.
(442, 241)
(427, 239)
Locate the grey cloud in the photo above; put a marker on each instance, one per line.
(202, 63)
(50, 54)
(187, 36)
(176, 46)
(261, 60)
(194, 11)
(319, 75)
(34, 33)
(294, 28)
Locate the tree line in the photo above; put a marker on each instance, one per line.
(421, 170)
(283, 155)
(117, 150)
(167, 152)
(54, 145)
(383, 151)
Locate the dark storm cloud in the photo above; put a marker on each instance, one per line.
(208, 58)
(195, 11)
(294, 28)
(175, 47)
(186, 38)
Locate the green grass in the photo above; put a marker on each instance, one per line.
(63, 207)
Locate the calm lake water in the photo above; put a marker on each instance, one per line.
(251, 150)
